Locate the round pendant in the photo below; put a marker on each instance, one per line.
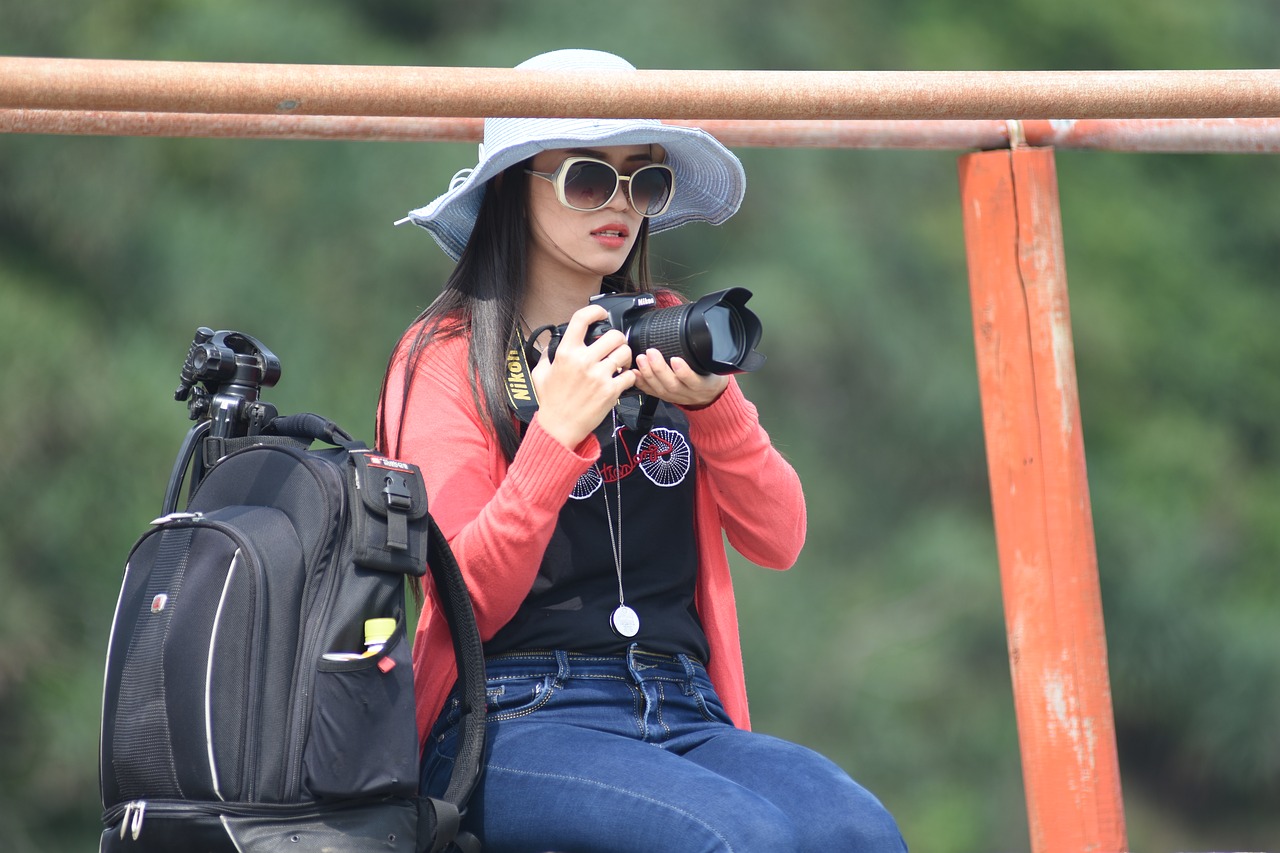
(625, 621)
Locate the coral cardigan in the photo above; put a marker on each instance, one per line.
(499, 517)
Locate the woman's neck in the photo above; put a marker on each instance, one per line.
(554, 303)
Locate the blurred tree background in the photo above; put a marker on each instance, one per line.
(885, 647)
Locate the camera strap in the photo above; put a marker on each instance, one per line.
(520, 393)
(524, 399)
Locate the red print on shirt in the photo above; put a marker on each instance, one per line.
(663, 455)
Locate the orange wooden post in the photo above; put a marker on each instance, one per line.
(1040, 500)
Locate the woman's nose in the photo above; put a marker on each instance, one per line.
(621, 197)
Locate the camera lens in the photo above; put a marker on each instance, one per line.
(661, 329)
(725, 330)
(716, 334)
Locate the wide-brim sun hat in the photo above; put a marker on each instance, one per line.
(709, 179)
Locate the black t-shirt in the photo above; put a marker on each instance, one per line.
(576, 589)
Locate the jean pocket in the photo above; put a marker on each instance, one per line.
(508, 698)
(437, 762)
(708, 701)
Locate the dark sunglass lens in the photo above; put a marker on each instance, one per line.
(650, 189)
(589, 186)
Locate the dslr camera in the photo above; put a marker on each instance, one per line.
(716, 334)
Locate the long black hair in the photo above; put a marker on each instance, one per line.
(482, 299)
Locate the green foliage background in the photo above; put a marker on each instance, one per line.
(885, 646)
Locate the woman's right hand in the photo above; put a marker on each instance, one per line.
(578, 389)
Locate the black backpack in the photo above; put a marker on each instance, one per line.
(239, 713)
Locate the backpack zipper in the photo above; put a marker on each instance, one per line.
(248, 766)
(134, 812)
(132, 820)
(305, 668)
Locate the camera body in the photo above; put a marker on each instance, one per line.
(623, 309)
(716, 334)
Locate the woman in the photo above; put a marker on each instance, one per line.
(591, 536)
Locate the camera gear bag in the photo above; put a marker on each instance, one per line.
(241, 710)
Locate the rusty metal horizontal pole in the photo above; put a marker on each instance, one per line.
(226, 126)
(272, 89)
(1185, 136)
(1169, 136)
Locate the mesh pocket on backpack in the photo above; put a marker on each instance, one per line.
(361, 742)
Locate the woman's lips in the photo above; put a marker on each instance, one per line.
(613, 235)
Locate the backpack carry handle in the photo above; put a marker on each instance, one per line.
(311, 427)
(198, 458)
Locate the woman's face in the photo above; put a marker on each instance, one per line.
(567, 242)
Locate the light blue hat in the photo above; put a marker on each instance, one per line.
(709, 180)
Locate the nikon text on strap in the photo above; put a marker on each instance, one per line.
(524, 399)
(520, 393)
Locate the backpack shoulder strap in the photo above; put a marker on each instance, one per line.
(456, 603)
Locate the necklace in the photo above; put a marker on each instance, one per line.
(525, 329)
(623, 620)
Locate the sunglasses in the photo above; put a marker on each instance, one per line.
(585, 183)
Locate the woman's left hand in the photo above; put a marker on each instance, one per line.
(676, 382)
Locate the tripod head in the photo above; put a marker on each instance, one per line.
(220, 382)
(232, 368)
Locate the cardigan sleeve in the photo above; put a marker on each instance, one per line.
(497, 518)
(757, 492)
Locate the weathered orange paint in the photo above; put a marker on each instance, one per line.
(1040, 500)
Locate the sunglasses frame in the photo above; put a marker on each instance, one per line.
(557, 179)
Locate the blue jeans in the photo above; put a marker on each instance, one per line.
(634, 753)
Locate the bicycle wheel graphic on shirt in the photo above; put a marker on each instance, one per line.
(664, 456)
(587, 484)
